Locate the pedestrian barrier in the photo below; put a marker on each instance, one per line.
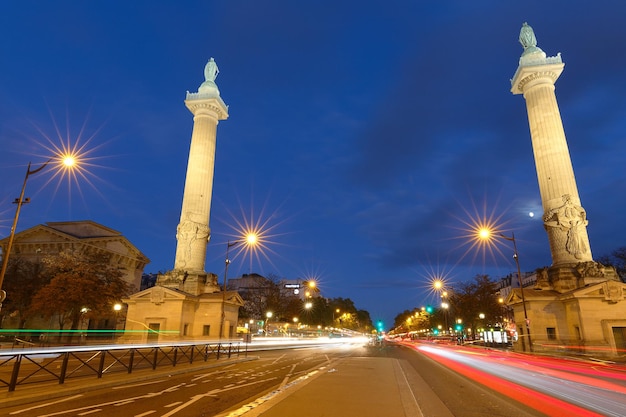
(44, 365)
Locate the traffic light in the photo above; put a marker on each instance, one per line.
(379, 326)
(429, 309)
(458, 327)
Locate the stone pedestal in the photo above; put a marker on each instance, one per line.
(190, 283)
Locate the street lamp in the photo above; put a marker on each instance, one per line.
(485, 234)
(249, 240)
(68, 162)
(268, 315)
(521, 287)
(117, 307)
(445, 307)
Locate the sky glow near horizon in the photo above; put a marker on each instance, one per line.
(364, 141)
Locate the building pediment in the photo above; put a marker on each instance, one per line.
(40, 234)
(158, 295)
(231, 297)
(83, 229)
(610, 291)
(57, 236)
(515, 296)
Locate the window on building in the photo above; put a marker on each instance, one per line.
(185, 329)
(551, 331)
(206, 330)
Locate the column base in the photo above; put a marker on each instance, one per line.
(564, 278)
(190, 282)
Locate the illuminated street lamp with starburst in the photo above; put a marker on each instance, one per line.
(246, 243)
(490, 236)
(64, 164)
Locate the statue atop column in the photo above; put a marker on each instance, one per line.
(210, 74)
(528, 40)
(527, 36)
(211, 70)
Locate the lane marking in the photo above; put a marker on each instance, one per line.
(147, 413)
(211, 393)
(279, 358)
(289, 374)
(46, 404)
(123, 401)
(90, 412)
(173, 404)
(139, 385)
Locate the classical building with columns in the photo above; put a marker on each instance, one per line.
(84, 236)
(576, 302)
(187, 302)
(81, 237)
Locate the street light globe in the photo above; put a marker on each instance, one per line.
(484, 233)
(68, 160)
(117, 307)
(269, 314)
(251, 238)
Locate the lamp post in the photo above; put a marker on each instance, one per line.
(521, 287)
(268, 316)
(445, 307)
(117, 307)
(485, 234)
(249, 240)
(68, 161)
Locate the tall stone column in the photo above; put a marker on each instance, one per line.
(193, 232)
(564, 218)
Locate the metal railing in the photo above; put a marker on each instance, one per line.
(58, 364)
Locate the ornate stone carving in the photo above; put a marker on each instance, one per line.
(543, 280)
(158, 295)
(569, 218)
(613, 291)
(536, 75)
(590, 269)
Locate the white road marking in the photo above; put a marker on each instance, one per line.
(90, 412)
(282, 384)
(279, 358)
(139, 385)
(125, 401)
(173, 404)
(45, 405)
(211, 393)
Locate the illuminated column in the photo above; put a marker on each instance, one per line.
(193, 232)
(564, 219)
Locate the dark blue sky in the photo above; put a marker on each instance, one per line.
(366, 134)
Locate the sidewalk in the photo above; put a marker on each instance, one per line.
(351, 387)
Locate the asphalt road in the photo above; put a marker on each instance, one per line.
(215, 390)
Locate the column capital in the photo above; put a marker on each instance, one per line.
(198, 103)
(528, 76)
